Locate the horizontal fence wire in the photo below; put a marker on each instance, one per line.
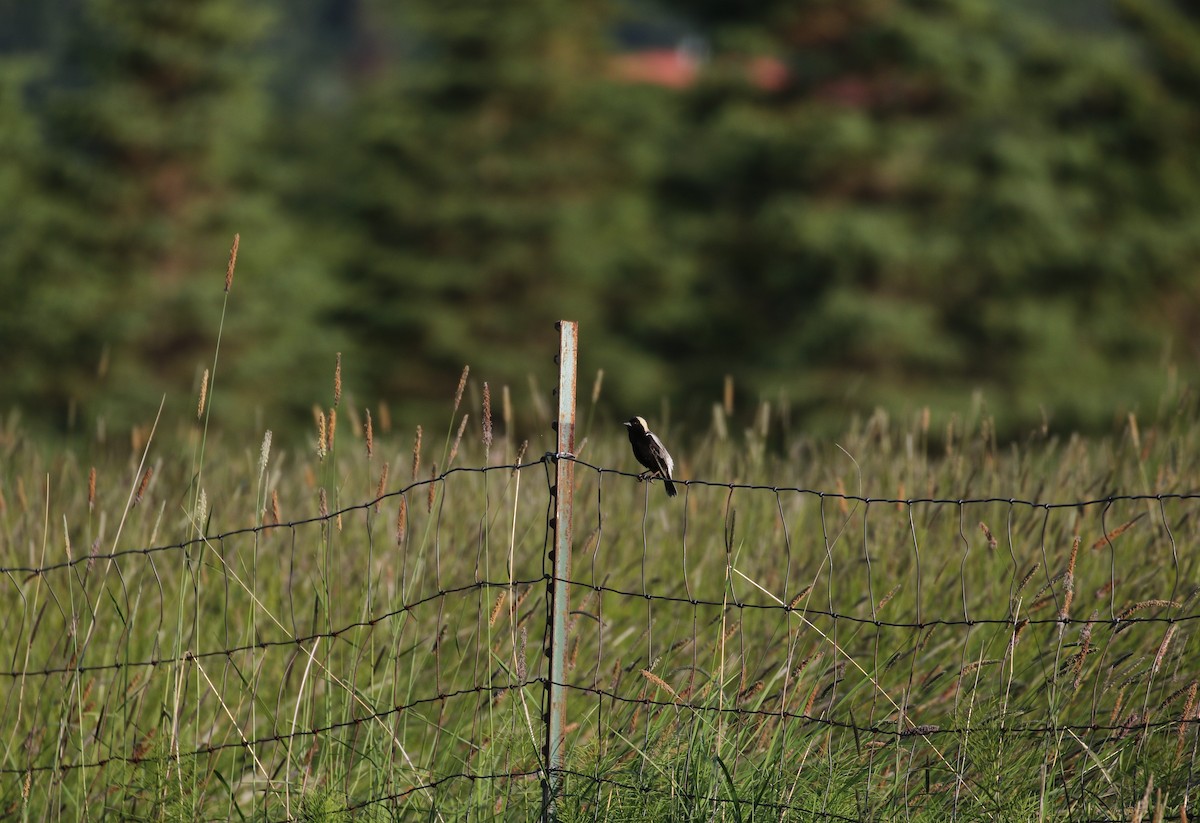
(743, 649)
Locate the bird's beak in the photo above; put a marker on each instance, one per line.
(626, 424)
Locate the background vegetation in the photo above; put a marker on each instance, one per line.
(344, 628)
(849, 204)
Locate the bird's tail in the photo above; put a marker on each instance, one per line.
(671, 492)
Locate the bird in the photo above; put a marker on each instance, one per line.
(651, 453)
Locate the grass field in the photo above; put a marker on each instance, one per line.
(904, 625)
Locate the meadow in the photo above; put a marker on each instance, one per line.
(912, 622)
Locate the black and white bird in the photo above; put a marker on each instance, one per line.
(651, 453)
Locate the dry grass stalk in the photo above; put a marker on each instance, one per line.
(596, 386)
(142, 486)
(385, 417)
(727, 397)
(662, 684)
(324, 503)
(487, 420)
(971, 668)
(522, 641)
(203, 395)
(1064, 612)
(887, 598)
(370, 435)
(332, 427)
(462, 385)
(416, 454)
(233, 250)
(1134, 433)
(337, 381)
(1116, 711)
(1028, 576)
(811, 660)
(749, 692)
(92, 489)
(987, 533)
(1172, 697)
(383, 476)
(521, 453)
(803, 594)
(322, 443)
(1117, 532)
(202, 509)
(275, 518)
(812, 698)
(843, 504)
(1129, 611)
(462, 427)
(1085, 648)
(573, 657)
(496, 608)
(264, 453)
(1162, 648)
(401, 520)
(1188, 707)
(432, 487)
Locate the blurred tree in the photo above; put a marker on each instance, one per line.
(944, 196)
(494, 179)
(150, 116)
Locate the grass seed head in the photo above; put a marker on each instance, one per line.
(233, 250)
(203, 395)
(322, 442)
(337, 381)
(264, 452)
(487, 419)
(141, 491)
(383, 476)
(462, 385)
(401, 520)
(462, 427)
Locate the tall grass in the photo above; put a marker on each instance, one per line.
(904, 624)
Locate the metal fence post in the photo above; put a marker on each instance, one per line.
(560, 561)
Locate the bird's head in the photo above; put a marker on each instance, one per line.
(637, 424)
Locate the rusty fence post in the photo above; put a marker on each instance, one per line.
(560, 562)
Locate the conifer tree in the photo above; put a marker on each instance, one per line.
(498, 182)
(150, 117)
(945, 196)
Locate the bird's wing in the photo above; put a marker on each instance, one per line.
(661, 453)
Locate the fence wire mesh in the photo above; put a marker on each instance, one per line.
(791, 653)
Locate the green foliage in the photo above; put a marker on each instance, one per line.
(927, 200)
(947, 194)
(336, 665)
(147, 115)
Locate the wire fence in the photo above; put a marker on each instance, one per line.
(744, 649)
